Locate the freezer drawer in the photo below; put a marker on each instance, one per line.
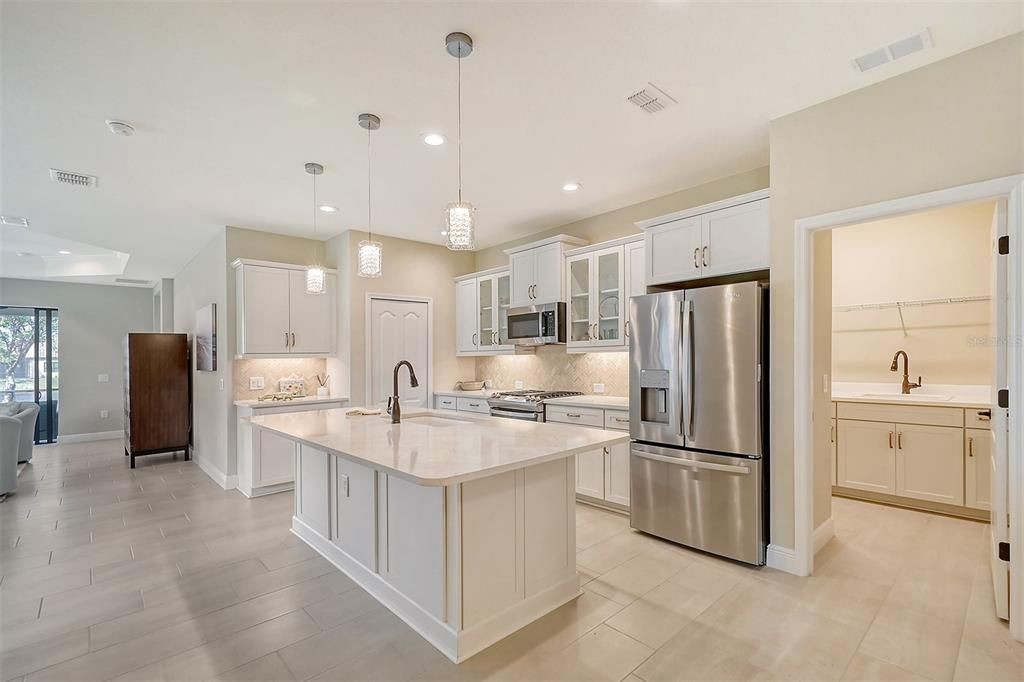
(710, 502)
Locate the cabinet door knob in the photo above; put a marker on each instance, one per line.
(293, 339)
(899, 440)
(890, 440)
(474, 338)
(970, 447)
(286, 339)
(625, 329)
(696, 263)
(704, 257)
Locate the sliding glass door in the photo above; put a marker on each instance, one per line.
(29, 366)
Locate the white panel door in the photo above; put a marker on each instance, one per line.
(548, 274)
(276, 460)
(673, 251)
(1002, 304)
(590, 473)
(266, 325)
(616, 474)
(930, 463)
(523, 268)
(866, 456)
(399, 330)
(736, 239)
(978, 468)
(832, 438)
(465, 316)
(312, 315)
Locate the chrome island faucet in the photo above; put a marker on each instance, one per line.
(393, 402)
(907, 383)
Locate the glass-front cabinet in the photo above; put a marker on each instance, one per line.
(595, 298)
(482, 303)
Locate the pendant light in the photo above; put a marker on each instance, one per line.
(460, 231)
(370, 254)
(316, 276)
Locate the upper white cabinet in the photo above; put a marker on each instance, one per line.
(600, 280)
(482, 301)
(537, 270)
(275, 315)
(723, 238)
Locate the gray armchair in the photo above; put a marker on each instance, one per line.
(10, 443)
(27, 415)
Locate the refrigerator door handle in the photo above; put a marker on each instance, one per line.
(696, 464)
(687, 370)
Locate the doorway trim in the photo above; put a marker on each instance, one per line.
(1010, 188)
(429, 300)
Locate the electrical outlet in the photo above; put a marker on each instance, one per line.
(826, 385)
(256, 383)
(519, 384)
(102, 378)
(344, 484)
(104, 414)
(598, 388)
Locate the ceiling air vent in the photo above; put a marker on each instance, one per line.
(128, 280)
(64, 177)
(890, 53)
(13, 221)
(651, 99)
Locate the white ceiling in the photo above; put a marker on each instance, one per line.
(230, 99)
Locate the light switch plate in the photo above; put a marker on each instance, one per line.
(256, 383)
(104, 414)
(519, 384)
(102, 378)
(598, 388)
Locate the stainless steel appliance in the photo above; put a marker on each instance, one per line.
(527, 404)
(698, 417)
(537, 325)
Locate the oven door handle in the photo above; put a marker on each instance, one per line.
(514, 414)
(696, 464)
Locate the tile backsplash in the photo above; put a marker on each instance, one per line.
(274, 369)
(552, 368)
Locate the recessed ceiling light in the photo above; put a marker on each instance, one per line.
(122, 128)
(434, 139)
(327, 208)
(64, 253)
(571, 187)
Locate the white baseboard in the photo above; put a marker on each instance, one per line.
(782, 559)
(89, 437)
(218, 476)
(823, 533)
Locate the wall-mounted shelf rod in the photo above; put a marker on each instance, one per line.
(910, 303)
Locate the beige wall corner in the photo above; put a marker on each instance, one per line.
(950, 123)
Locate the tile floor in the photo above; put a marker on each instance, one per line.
(158, 574)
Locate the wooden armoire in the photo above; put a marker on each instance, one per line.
(157, 395)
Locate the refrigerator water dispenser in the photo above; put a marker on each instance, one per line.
(654, 395)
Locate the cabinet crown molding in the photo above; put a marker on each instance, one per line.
(239, 262)
(621, 241)
(500, 270)
(705, 208)
(556, 239)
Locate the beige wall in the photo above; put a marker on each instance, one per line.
(619, 223)
(950, 123)
(552, 367)
(272, 371)
(410, 269)
(935, 254)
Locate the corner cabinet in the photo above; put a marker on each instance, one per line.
(725, 238)
(482, 301)
(275, 317)
(537, 270)
(600, 281)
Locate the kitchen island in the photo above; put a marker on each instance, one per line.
(462, 525)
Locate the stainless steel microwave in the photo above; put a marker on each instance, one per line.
(537, 325)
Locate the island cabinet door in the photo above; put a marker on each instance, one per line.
(312, 479)
(590, 473)
(355, 490)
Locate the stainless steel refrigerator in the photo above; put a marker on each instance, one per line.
(698, 402)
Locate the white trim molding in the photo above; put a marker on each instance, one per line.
(89, 437)
(218, 476)
(782, 559)
(823, 533)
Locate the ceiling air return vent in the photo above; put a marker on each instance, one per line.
(651, 99)
(129, 280)
(63, 177)
(13, 221)
(890, 53)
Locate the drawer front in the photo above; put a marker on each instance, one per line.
(905, 414)
(978, 418)
(472, 405)
(588, 416)
(445, 402)
(617, 420)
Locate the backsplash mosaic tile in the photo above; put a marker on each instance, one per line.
(552, 368)
(273, 370)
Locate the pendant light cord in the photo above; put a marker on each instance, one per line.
(459, 61)
(316, 251)
(369, 186)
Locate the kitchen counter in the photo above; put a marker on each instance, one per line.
(462, 525)
(966, 396)
(483, 393)
(304, 400)
(436, 447)
(605, 402)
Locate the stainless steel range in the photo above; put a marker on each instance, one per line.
(526, 404)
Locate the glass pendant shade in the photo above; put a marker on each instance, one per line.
(316, 280)
(369, 257)
(459, 223)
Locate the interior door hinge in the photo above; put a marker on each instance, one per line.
(1004, 245)
(1003, 397)
(1004, 551)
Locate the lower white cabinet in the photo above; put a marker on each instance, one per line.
(590, 473)
(273, 459)
(930, 463)
(616, 474)
(833, 438)
(867, 456)
(477, 404)
(602, 475)
(978, 468)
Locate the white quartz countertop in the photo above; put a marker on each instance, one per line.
(485, 393)
(938, 395)
(304, 400)
(606, 402)
(437, 447)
